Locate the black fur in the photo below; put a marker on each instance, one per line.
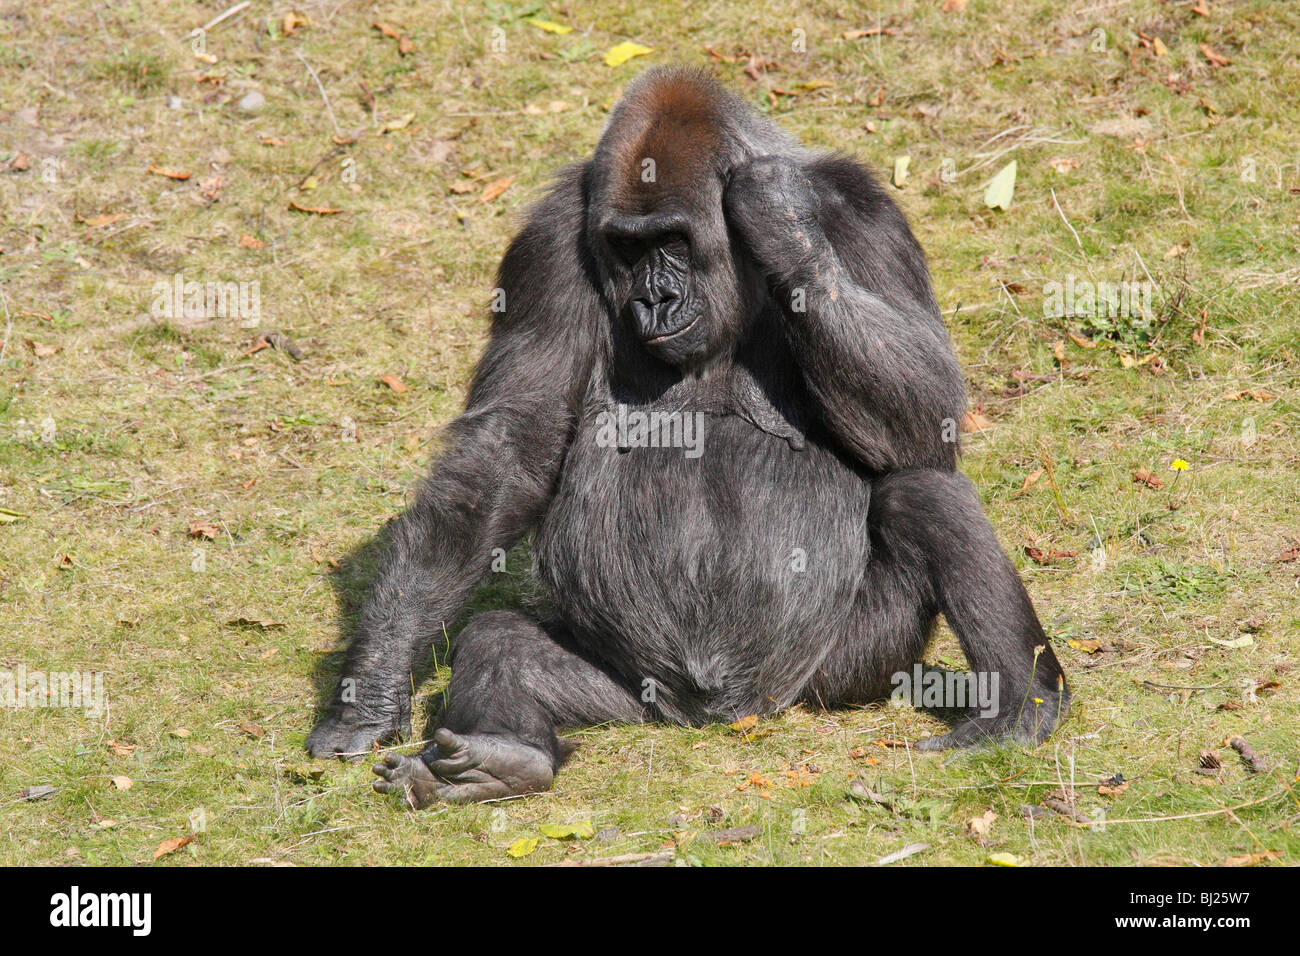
(829, 432)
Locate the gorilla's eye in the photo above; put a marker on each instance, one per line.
(627, 248)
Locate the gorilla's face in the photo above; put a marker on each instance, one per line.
(676, 283)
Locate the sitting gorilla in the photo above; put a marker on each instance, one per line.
(721, 394)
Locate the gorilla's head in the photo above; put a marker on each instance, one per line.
(655, 223)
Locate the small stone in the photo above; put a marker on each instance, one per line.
(174, 102)
(252, 102)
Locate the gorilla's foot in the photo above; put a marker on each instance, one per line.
(465, 768)
(1032, 725)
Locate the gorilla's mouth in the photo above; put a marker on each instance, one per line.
(665, 336)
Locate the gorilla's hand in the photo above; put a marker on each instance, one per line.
(774, 208)
(349, 731)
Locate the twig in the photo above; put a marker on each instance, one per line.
(1077, 241)
(9, 325)
(220, 18)
(1257, 763)
(1190, 816)
(320, 86)
(659, 858)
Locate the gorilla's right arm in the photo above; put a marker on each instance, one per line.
(490, 486)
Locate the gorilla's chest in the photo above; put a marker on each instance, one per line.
(701, 534)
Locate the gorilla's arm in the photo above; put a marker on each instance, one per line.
(860, 316)
(492, 483)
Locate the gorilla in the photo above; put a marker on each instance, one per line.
(721, 395)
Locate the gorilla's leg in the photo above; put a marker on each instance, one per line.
(514, 682)
(932, 526)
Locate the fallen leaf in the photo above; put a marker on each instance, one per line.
(1253, 859)
(171, 846)
(121, 749)
(1201, 8)
(1063, 164)
(169, 172)
(1004, 859)
(1282, 557)
(1001, 188)
(1175, 251)
(869, 32)
(123, 782)
(1216, 59)
(1254, 393)
(1144, 477)
(550, 26)
(581, 830)
(522, 847)
(95, 222)
(496, 188)
(392, 126)
(1112, 790)
(975, 421)
(393, 382)
(910, 850)
(1031, 479)
(1235, 643)
(40, 792)
(900, 170)
(181, 732)
(251, 242)
(980, 827)
(625, 51)
(315, 210)
(291, 22)
(1158, 47)
(745, 724)
(203, 529)
(953, 6)
(256, 621)
(251, 729)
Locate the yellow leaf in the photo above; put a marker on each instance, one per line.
(392, 126)
(745, 723)
(522, 847)
(625, 51)
(548, 25)
(1004, 859)
(1001, 188)
(583, 830)
(900, 170)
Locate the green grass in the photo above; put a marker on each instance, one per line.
(138, 426)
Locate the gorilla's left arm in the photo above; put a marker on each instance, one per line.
(860, 316)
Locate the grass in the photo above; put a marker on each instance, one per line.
(216, 647)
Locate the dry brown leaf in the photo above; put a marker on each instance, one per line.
(251, 242)
(251, 729)
(204, 529)
(393, 382)
(1112, 790)
(121, 749)
(980, 827)
(1039, 556)
(272, 141)
(1063, 164)
(169, 172)
(291, 22)
(1256, 394)
(1253, 859)
(745, 724)
(1216, 59)
(95, 222)
(1290, 554)
(975, 421)
(315, 210)
(19, 163)
(1176, 251)
(386, 30)
(869, 32)
(210, 189)
(1201, 8)
(41, 349)
(1083, 343)
(496, 188)
(171, 846)
(123, 782)
(1031, 479)
(1144, 477)
(953, 6)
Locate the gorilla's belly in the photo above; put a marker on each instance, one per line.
(714, 582)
